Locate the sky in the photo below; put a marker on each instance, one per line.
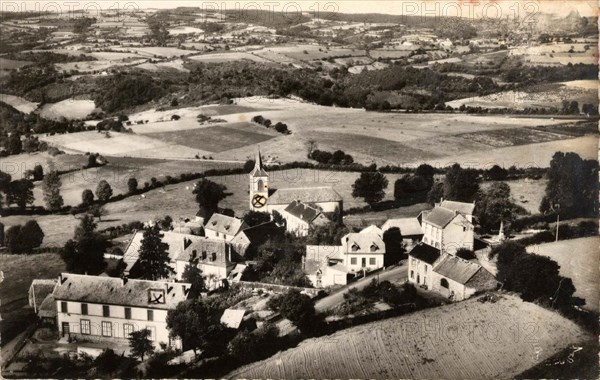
(464, 8)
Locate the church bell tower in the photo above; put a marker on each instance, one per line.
(259, 185)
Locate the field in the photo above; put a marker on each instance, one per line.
(578, 259)
(226, 57)
(557, 54)
(91, 66)
(166, 52)
(18, 103)
(10, 64)
(465, 340)
(19, 271)
(17, 165)
(218, 138)
(70, 109)
(526, 193)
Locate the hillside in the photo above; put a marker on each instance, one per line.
(466, 340)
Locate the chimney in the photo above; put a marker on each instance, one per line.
(185, 290)
(125, 279)
(169, 288)
(62, 279)
(186, 243)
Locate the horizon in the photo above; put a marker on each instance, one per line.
(461, 8)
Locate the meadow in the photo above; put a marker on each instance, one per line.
(464, 340)
(70, 109)
(578, 260)
(19, 103)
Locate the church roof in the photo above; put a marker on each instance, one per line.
(304, 194)
(258, 170)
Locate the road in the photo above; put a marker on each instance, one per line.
(397, 274)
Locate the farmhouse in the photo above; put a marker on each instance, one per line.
(433, 264)
(109, 309)
(358, 253)
(224, 227)
(214, 257)
(325, 198)
(300, 217)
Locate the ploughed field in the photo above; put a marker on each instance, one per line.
(465, 340)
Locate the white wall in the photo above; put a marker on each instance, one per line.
(139, 320)
(456, 236)
(357, 266)
(421, 271)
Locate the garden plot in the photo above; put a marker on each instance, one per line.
(465, 340)
(578, 260)
(19, 103)
(227, 57)
(70, 109)
(156, 51)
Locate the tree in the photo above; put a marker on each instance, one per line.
(465, 253)
(103, 191)
(87, 197)
(198, 325)
(98, 211)
(51, 188)
(393, 246)
(249, 165)
(572, 188)
(193, 275)
(408, 185)
(460, 184)
(20, 193)
(14, 146)
(255, 218)
(311, 145)
(494, 206)
(33, 236)
(496, 173)
(166, 223)
(208, 195)
(38, 172)
(85, 252)
(154, 256)
(140, 343)
(132, 185)
(370, 186)
(249, 346)
(14, 239)
(296, 307)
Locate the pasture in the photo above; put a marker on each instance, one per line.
(226, 57)
(70, 109)
(526, 193)
(578, 260)
(465, 340)
(19, 103)
(218, 138)
(156, 51)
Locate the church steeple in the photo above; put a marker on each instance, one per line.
(259, 185)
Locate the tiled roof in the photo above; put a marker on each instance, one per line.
(304, 194)
(225, 224)
(258, 170)
(303, 211)
(175, 240)
(363, 242)
(425, 252)
(460, 207)
(47, 308)
(207, 251)
(440, 217)
(407, 226)
(117, 291)
(456, 269)
(39, 290)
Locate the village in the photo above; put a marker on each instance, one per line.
(242, 192)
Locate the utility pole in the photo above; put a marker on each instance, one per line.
(557, 224)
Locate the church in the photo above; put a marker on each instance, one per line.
(324, 198)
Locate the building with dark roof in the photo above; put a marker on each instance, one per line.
(300, 217)
(223, 227)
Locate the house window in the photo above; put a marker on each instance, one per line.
(353, 261)
(412, 274)
(63, 307)
(150, 315)
(85, 326)
(106, 328)
(217, 234)
(105, 311)
(127, 313)
(444, 283)
(354, 247)
(372, 261)
(127, 330)
(84, 309)
(374, 247)
(425, 268)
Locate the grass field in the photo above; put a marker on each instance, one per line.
(227, 57)
(17, 165)
(19, 271)
(19, 103)
(218, 138)
(465, 340)
(578, 259)
(526, 193)
(69, 109)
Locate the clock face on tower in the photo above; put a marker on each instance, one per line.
(259, 201)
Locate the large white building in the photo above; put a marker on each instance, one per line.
(300, 217)
(105, 308)
(223, 227)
